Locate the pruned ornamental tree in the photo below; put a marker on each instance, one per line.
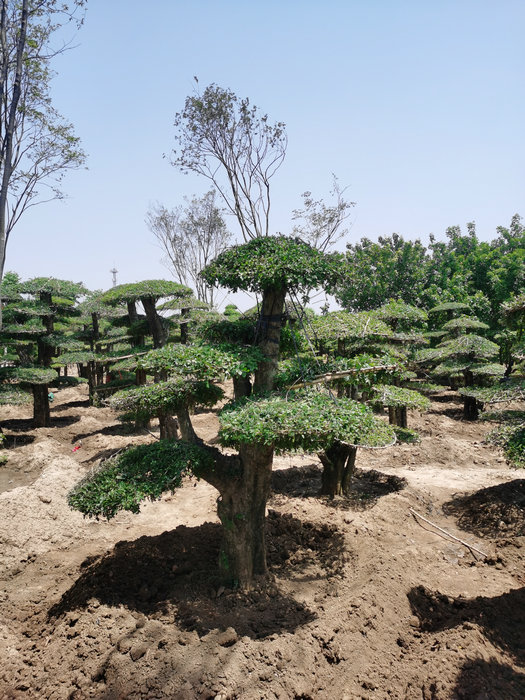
(228, 141)
(402, 317)
(462, 357)
(147, 293)
(37, 147)
(36, 330)
(189, 374)
(264, 423)
(38, 380)
(397, 400)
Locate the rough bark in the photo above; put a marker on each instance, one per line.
(398, 416)
(470, 404)
(242, 511)
(140, 377)
(168, 427)
(268, 337)
(156, 328)
(338, 468)
(41, 414)
(186, 428)
(470, 408)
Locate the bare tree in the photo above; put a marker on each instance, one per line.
(321, 224)
(36, 145)
(191, 237)
(225, 139)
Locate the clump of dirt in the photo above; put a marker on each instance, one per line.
(362, 601)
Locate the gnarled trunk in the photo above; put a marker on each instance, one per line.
(268, 337)
(156, 327)
(169, 428)
(186, 428)
(338, 469)
(398, 416)
(242, 511)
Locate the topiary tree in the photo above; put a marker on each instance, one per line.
(398, 400)
(38, 380)
(37, 326)
(466, 356)
(271, 266)
(148, 293)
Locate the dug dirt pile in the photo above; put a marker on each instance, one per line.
(365, 600)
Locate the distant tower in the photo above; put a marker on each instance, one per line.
(114, 273)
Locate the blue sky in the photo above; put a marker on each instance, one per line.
(417, 107)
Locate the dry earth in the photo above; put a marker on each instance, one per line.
(365, 600)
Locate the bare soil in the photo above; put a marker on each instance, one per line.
(365, 599)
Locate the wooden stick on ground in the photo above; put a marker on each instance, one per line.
(465, 544)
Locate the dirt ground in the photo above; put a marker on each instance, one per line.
(365, 599)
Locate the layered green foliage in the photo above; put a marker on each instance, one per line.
(139, 473)
(13, 395)
(509, 390)
(273, 262)
(203, 361)
(166, 397)
(28, 375)
(135, 291)
(399, 397)
(308, 421)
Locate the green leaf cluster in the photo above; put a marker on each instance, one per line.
(272, 262)
(135, 291)
(399, 397)
(139, 473)
(308, 421)
(166, 397)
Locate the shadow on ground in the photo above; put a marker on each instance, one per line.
(501, 619)
(497, 511)
(18, 440)
(489, 680)
(176, 573)
(70, 405)
(368, 486)
(20, 425)
(122, 429)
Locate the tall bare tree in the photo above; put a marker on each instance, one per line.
(191, 237)
(36, 145)
(320, 224)
(228, 141)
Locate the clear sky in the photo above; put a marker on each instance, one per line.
(417, 107)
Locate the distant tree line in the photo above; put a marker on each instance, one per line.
(460, 269)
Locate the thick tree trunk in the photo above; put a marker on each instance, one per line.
(398, 416)
(140, 377)
(242, 511)
(268, 338)
(184, 326)
(156, 328)
(242, 387)
(132, 312)
(470, 408)
(41, 414)
(168, 427)
(338, 468)
(186, 428)
(470, 404)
